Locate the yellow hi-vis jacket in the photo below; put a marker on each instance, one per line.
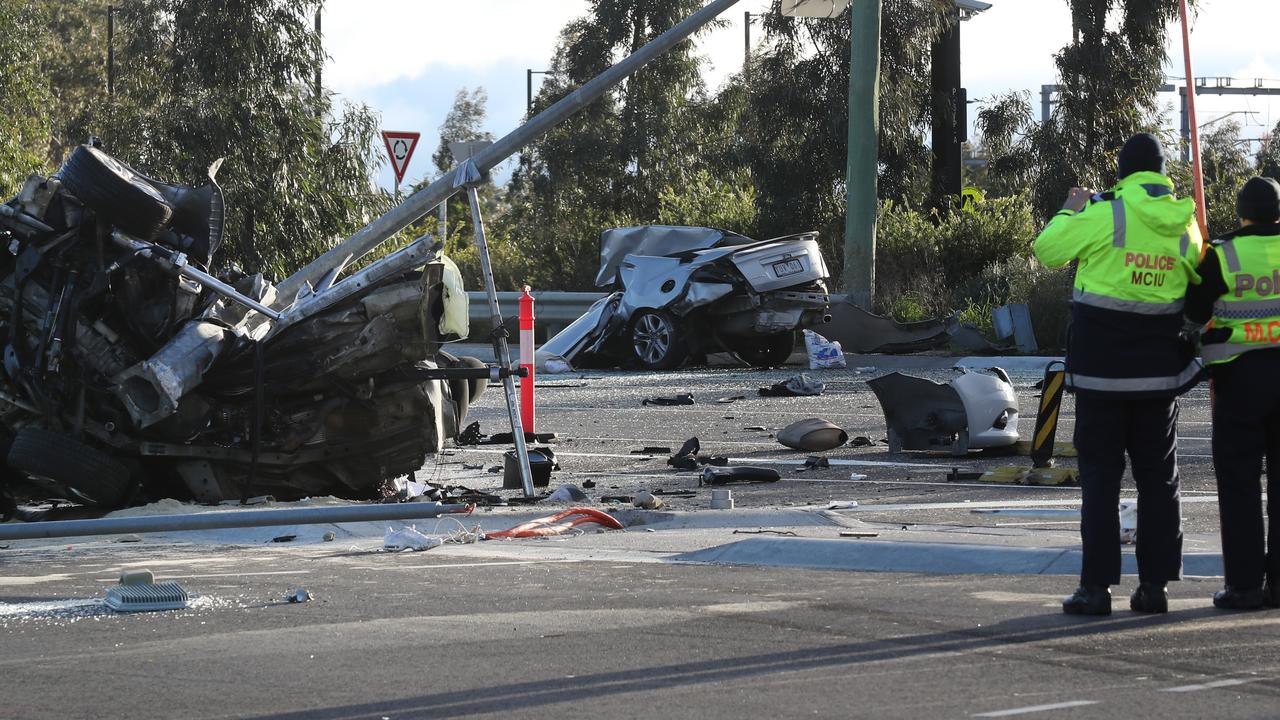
(1250, 311)
(1137, 246)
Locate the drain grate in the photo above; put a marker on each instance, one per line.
(167, 595)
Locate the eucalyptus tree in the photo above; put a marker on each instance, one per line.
(198, 81)
(24, 124)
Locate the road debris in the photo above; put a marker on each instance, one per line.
(798, 386)
(558, 524)
(542, 461)
(721, 500)
(813, 435)
(765, 531)
(975, 410)
(647, 501)
(730, 399)
(842, 505)
(299, 595)
(652, 450)
(409, 538)
(567, 493)
(713, 475)
(681, 399)
(284, 538)
(329, 536)
(139, 592)
(858, 534)
(823, 353)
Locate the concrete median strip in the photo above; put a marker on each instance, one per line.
(916, 557)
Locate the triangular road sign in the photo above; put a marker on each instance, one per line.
(400, 147)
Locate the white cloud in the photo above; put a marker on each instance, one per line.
(379, 42)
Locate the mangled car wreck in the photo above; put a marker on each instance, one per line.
(130, 371)
(679, 293)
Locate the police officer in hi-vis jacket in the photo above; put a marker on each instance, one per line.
(1137, 247)
(1241, 350)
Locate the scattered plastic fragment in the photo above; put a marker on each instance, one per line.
(284, 538)
(681, 399)
(721, 500)
(1128, 521)
(730, 398)
(812, 434)
(330, 536)
(760, 428)
(765, 531)
(588, 484)
(652, 450)
(129, 539)
(647, 501)
(299, 595)
(409, 538)
(861, 441)
(567, 493)
(842, 504)
(858, 534)
(555, 365)
(798, 386)
(814, 462)
(712, 475)
(857, 476)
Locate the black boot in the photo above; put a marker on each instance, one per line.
(1150, 597)
(1231, 598)
(1088, 600)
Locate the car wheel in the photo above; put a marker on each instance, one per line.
(656, 341)
(767, 350)
(114, 191)
(74, 470)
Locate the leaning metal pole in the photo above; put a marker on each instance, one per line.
(421, 202)
(226, 519)
(500, 349)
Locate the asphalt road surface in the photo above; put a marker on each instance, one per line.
(435, 636)
(615, 625)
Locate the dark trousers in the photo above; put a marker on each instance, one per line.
(1246, 426)
(1106, 428)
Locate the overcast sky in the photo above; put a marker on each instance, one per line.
(407, 58)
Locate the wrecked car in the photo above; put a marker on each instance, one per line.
(679, 293)
(130, 371)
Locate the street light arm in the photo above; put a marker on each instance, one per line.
(421, 202)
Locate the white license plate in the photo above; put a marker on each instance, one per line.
(787, 267)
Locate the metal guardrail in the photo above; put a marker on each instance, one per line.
(555, 309)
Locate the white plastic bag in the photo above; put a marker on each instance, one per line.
(823, 353)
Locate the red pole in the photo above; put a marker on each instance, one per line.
(526, 360)
(1197, 177)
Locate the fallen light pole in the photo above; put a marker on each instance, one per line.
(227, 519)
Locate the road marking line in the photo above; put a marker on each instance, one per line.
(1037, 708)
(1207, 686)
(461, 565)
(746, 461)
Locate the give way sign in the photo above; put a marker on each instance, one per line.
(400, 147)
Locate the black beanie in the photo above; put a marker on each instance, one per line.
(1141, 152)
(1259, 201)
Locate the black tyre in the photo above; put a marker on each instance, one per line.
(115, 192)
(70, 468)
(766, 350)
(656, 341)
